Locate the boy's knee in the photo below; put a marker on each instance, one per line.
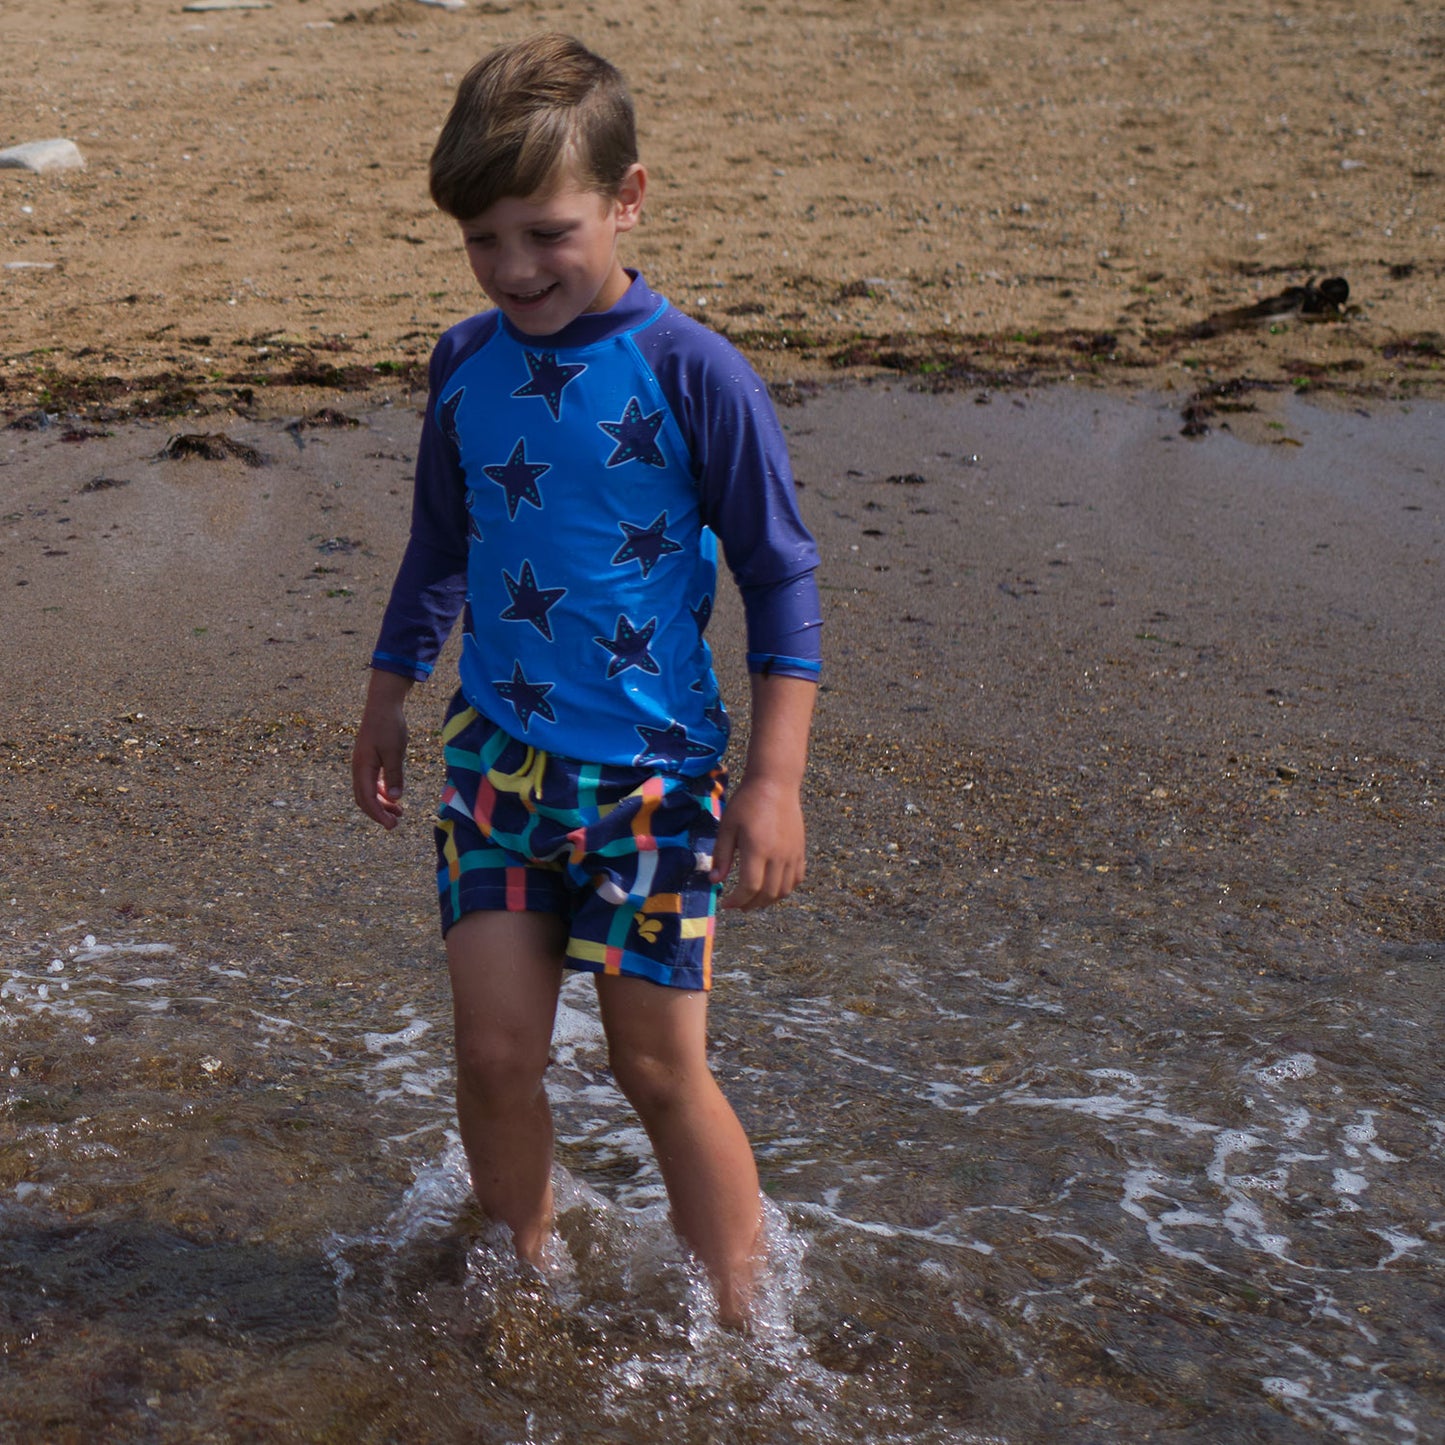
(650, 1082)
(500, 1067)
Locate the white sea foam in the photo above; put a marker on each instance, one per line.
(1296, 1066)
(1401, 1244)
(938, 1234)
(378, 1043)
(1285, 1389)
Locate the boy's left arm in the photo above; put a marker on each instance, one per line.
(762, 824)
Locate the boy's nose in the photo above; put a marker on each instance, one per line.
(513, 265)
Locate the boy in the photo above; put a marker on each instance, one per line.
(583, 448)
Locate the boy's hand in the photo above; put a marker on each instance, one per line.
(762, 829)
(378, 757)
(762, 823)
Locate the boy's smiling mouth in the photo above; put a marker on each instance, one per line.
(522, 305)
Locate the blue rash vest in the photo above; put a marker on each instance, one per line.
(571, 491)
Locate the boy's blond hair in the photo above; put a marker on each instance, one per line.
(521, 114)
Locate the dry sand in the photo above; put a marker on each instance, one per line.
(961, 191)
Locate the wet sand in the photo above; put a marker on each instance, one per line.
(1056, 628)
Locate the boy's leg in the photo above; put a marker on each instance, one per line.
(506, 972)
(657, 1045)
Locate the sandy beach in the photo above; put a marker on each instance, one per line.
(1128, 739)
(962, 193)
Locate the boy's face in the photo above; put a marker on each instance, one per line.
(545, 259)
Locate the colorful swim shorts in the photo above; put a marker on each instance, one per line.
(621, 853)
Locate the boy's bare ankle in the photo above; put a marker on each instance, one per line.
(735, 1295)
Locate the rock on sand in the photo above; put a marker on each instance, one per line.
(42, 156)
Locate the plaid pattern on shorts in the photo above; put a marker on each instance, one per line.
(621, 853)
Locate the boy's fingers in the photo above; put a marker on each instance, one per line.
(388, 794)
(756, 886)
(392, 779)
(722, 853)
(376, 795)
(764, 884)
(362, 781)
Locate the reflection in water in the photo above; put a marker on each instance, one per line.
(234, 1203)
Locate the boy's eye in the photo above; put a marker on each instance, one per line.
(550, 236)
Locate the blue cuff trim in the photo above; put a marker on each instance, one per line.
(406, 666)
(769, 663)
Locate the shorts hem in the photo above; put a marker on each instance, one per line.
(692, 978)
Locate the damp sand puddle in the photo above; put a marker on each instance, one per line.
(244, 1210)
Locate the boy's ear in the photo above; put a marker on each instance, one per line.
(630, 194)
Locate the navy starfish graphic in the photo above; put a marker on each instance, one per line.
(527, 698)
(646, 546)
(531, 603)
(519, 478)
(702, 613)
(636, 437)
(628, 646)
(474, 527)
(667, 745)
(447, 418)
(549, 379)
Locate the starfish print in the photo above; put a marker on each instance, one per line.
(667, 745)
(530, 603)
(549, 379)
(646, 546)
(474, 527)
(519, 478)
(702, 613)
(628, 646)
(527, 698)
(636, 437)
(447, 418)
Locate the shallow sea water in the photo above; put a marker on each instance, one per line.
(983, 1207)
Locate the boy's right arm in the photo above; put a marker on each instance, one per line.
(379, 757)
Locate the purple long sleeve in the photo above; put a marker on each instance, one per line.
(431, 583)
